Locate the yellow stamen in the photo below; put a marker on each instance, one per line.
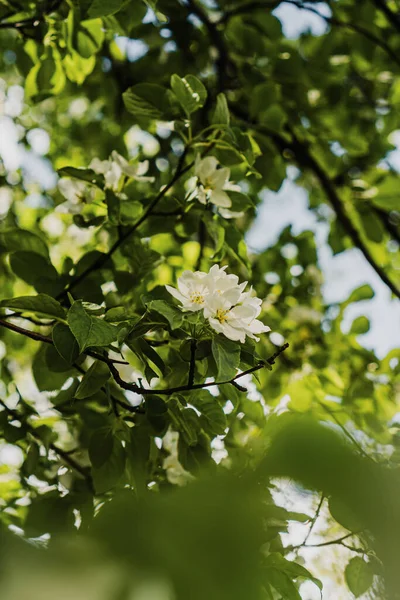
(197, 298)
(221, 315)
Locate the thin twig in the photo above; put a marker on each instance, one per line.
(314, 519)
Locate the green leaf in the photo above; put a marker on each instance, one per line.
(226, 354)
(104, 8)
(65, 343)
(221, 114)
(89, 330)
(89, 37)
(101, 445)
(359, 576)
(108, 475)
(93, 380)
(34, 269)
(47, 379)
(81, 174)
(194, 456)
(41, 305)
(171, 313)
(190, 92)
(122, 211)
(360, 325)
(14, 240)
(364, 292)
(213, 417)
(240, 202)
(146, 101)
(292, 569)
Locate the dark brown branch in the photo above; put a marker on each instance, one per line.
(38, 337)
(198, 386)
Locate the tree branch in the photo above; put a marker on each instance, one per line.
(304, 157)
(198, 386)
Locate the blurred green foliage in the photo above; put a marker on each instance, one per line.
(145, 480)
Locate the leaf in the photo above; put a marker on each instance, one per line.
(359, 576)
(34, 269)
(195, 456)
(89, 330)
(65, 343)
(122, 211)
(226, 354)
(89, 37)
(104, 8)
(93, 380)
(41, 305)
(146, 101)
(101, 445)
(221, 114)
(171, 313)
(47, 379)
(364, 292)
(214, 419)
(190, 92)
(108, 475)
(81, 174)
(291, 568)
(13, 240)
(360, 325)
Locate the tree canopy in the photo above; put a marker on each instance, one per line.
(172, 401)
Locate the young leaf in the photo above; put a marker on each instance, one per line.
(190, 92)
(89, 330)
(359, 576)
(221, 114)
(41, 305)
(94, 379)
(226, 354)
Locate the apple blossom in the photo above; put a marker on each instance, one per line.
(211, 183)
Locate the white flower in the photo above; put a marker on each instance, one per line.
(229, 309)
(192, 291)
(210, 184)
(237, 320)
(77, 193)
(116, 167)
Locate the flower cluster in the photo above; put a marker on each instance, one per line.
(227, 307)
(118, 167)
(211, 184)
(114, 171)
